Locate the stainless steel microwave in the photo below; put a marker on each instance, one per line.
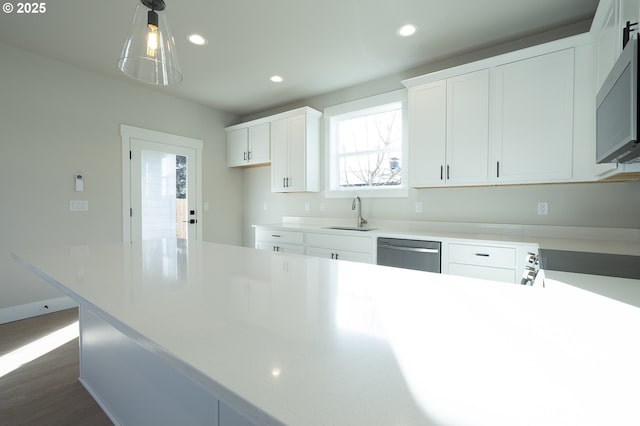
(617, 110)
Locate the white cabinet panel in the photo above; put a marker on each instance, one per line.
(533, 134)
(279, 236)
(483, 272)
(280, 248)
(248, 146)
(341, 242)
(237, 141)
(135, 384)
(295, 152)
(501, 257)
(327, 253)
(259, 144)
(609, 42)
(449, 131)
(468, 129)
(427, 134)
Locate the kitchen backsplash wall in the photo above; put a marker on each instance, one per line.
(591, 204)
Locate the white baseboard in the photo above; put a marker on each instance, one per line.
(15, 313)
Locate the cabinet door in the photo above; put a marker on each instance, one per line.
(609, 43)
(259, 146)
(280, 248)
(297, 139)
(328, 253)
(467, 147)
(427, 134)
(237, 147)
(630, 11)
(279, 155)
(534, 119)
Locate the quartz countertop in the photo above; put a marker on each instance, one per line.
(311, 341)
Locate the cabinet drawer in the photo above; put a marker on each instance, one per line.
(341, 242)
(483, 272)
(280, 248)
(277, 236)
(499, 257)
(352, 256)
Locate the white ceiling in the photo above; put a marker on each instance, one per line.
(317, 46)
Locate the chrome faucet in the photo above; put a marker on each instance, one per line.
(357, 204)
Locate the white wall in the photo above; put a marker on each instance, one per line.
(56, 120)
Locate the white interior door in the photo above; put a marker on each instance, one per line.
(164, 186)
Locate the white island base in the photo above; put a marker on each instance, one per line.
(137, 385)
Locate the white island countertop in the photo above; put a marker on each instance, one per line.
(310, 341)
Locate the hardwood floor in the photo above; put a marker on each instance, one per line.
(45, 391)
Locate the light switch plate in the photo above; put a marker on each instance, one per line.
(418, 206)
(79, 205)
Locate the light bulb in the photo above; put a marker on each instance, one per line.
(152, 41)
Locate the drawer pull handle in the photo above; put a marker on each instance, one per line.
(482, 254)
(275, 236)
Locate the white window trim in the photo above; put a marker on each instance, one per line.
(360, 104)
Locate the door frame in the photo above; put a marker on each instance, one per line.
(129, 132)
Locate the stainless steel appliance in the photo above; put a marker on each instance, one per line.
(617, 110)
(531, 270)
(409, 254)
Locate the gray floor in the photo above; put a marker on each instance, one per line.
(45, 391)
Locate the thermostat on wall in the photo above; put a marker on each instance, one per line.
(79, 182)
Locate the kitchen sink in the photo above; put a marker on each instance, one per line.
(350, 228)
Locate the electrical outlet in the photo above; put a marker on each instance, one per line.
(307, 206)
(543, 208)
(265, 206)
(322, 206)
(418, 207)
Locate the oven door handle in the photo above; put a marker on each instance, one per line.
(412, 249)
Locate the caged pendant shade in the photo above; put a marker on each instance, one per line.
(149, 52)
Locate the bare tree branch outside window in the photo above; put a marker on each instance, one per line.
(369, 149)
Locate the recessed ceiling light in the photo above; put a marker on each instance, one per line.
(276, 79)
(197, 39)
(407, 30)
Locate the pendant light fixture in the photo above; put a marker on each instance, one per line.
(149, 52)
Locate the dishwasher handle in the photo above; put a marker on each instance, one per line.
(412, 249)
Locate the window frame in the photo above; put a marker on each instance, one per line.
(352, 109)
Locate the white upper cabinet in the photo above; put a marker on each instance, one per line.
(608, 42)
(248, 145)
(427, 134)
(467, 128)
(533, 119)
(449, 131)
(295, 152)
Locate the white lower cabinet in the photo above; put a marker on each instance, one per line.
(340, 247)
(503, 263)
(279, 241)
(352, 256)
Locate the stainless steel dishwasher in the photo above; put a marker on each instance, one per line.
(409, 254)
